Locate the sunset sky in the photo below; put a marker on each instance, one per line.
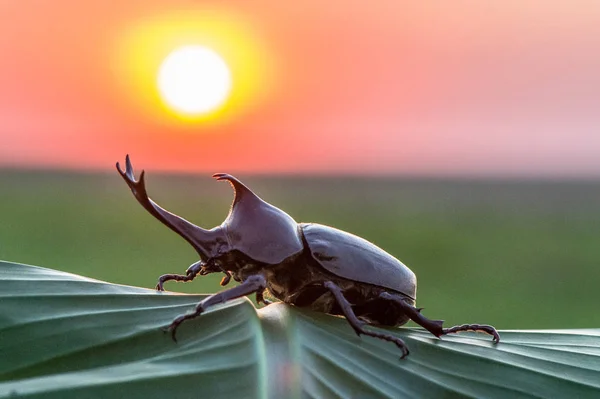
(502, 88)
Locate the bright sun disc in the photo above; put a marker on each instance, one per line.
(194, 80)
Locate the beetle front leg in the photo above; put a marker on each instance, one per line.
(191, 274)
(357, 324)
(252, 284)
(435, 326)
(177, 277)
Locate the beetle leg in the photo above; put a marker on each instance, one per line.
(191, 274)
(435, 326)
(475, 327)
(168, 277)
(260, 298)
(251, 285)
(357, 324)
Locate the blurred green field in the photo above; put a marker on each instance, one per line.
(513, 254)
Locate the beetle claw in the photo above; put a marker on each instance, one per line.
(405, 352)
(167, 330)
(172, 328)
(357, 326)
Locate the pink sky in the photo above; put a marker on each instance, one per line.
(462, 87)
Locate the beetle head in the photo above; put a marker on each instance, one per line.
(211, 243)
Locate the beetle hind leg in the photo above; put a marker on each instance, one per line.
(358, 324)
(435, 326)
(474, 327)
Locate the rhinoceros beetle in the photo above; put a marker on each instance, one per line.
(303, 264)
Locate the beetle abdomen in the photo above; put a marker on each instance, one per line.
(355, 258)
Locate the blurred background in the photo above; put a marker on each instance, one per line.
(461, 137)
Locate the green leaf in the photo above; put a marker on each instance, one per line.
(66, 336)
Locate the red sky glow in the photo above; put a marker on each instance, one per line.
(507, 88)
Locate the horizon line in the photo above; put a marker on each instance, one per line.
(367, 175)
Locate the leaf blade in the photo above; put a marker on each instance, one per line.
(66, 336)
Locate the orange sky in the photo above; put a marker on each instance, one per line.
(461, 87)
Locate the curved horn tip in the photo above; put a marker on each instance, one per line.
(234, 181)
(230, 178)
(223, 176)
(238, 187)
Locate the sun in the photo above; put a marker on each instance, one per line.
(194, 80)
(193, 68)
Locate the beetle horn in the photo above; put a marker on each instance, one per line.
(240, 191)
(202, 240)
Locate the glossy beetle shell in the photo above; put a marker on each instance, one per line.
(357, 259)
